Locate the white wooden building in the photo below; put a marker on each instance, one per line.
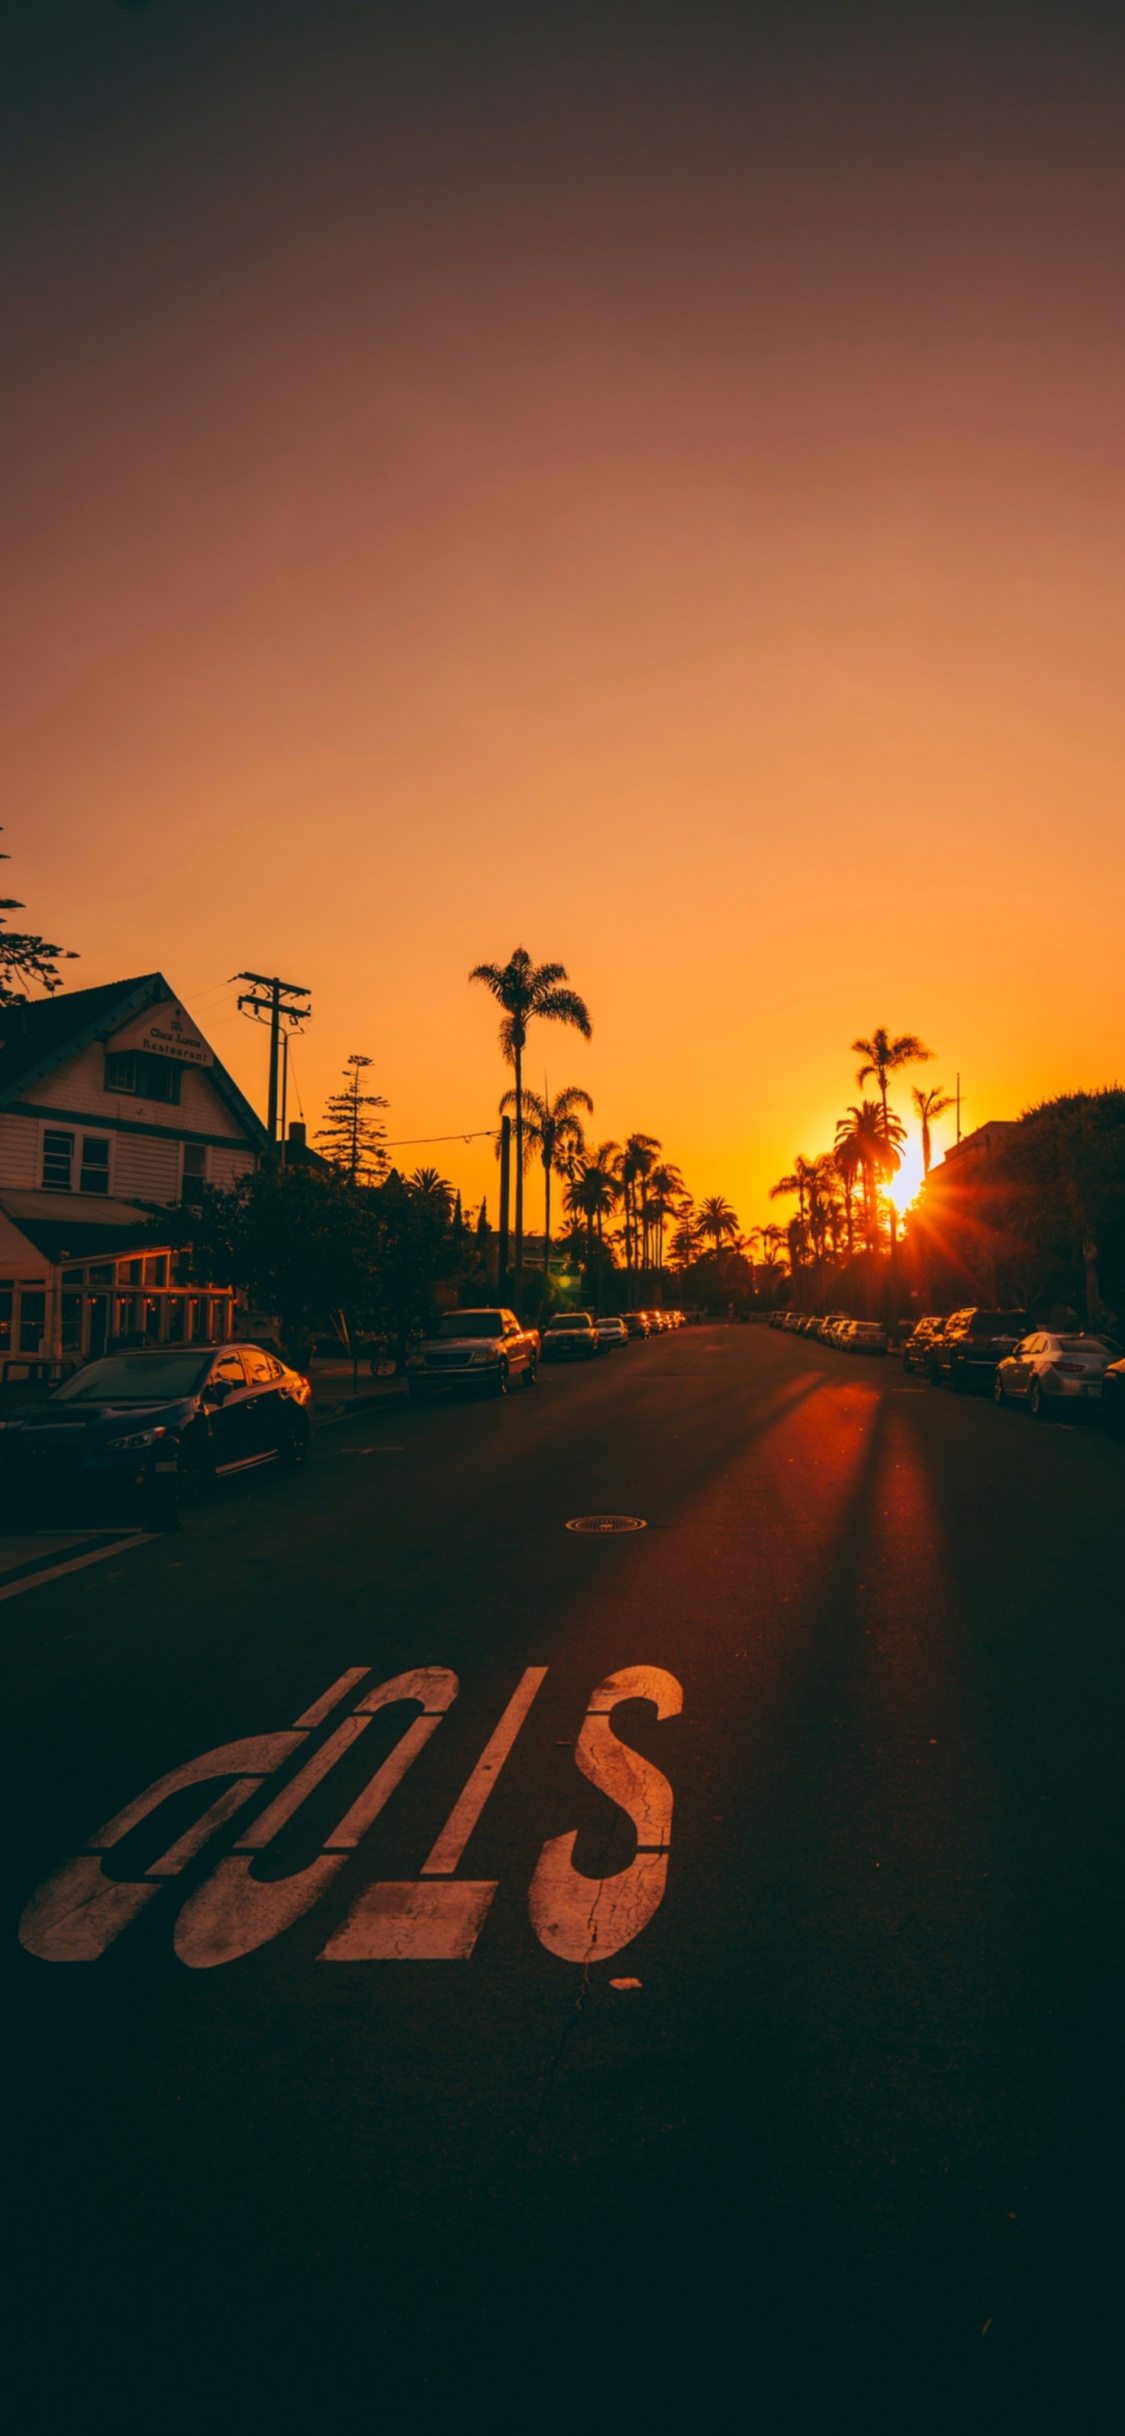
(112, 1106)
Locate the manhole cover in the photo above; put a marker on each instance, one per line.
(606, 1522)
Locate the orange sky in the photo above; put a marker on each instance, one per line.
(660, 505)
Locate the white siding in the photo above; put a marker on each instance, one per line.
(19, 1150)
(79, 1084)
(224, 1167)
(146, 1168)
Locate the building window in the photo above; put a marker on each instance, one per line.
(143, 1075)
(195, 1169)
(95, 1164)
(33, 1320)
(58, 1155)
(72, 1323)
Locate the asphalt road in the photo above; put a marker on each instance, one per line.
(810, 2117)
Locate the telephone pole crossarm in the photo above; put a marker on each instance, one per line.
(278, 1005)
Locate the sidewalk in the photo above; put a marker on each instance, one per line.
(333, 1395)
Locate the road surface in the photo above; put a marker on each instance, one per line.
(770, 2077)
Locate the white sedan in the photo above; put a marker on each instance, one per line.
(612, 1332)
(1048, 1369)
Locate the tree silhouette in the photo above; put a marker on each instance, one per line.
(353, 1140)
(553, 1133)
(928, 1106)
(525, 990)
(25, 957)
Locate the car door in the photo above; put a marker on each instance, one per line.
(516, 1344)
(1021, 1369)
(227, 1411)
(264, 1408)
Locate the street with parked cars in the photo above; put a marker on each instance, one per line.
(1048, 1372)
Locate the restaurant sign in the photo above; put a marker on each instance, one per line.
(164, 1031)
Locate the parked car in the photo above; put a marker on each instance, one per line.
(572, 1336)
(485, 1349)
(915, 1352)
(971, 1344)
(612, 1332)
(866, 1336)
(637, 1323)
(142, 1427)
(825, 1328)
(1051, 1369)
(836, 1327)
(658, 1321)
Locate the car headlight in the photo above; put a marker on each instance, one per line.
(484, 1353)
(136, 1438)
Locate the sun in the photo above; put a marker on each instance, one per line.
(906, 1186)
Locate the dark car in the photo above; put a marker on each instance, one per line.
(916, 1351)
(483, 1349)
(637, 1323)
(971, 1344)
(572, 1336)
(141, 1427)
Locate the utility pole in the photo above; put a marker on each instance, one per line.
(278, 1005)
(505, 1190)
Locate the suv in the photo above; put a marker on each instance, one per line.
(970, 1346)
(916, 1351)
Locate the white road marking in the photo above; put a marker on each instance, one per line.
(336, 1691)
(96, 1556)
(233, 1913)
(588, 1919)
(463, 1817)
(423, 1921)
(78, 1911)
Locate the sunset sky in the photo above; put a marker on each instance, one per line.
(645, 483)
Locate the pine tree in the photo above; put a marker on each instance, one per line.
(354, 1141)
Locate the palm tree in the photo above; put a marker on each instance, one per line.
(428, 1186)
(883, 1056)
(717, 1224)
(866, 1144)
(928, 1106)
(638, 1158)
(524, 989)
(594, 1188)
(685, 1240)
(552, 1131)
(797, 1183)
(665, 1188)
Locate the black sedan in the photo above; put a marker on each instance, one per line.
(141, 1427)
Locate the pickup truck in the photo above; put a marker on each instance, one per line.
(971, 1344)
(483, 1349)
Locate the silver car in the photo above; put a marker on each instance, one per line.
(1049, 1369)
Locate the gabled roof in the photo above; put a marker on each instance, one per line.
(38, 1035)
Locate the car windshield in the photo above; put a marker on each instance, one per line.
(135, 1378)
(570, 1319)
(472, 1323)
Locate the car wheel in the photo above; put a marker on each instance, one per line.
(531, 1373)
(998, 1389)
(1035, 1399)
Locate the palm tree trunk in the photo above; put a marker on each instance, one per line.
(518, 1276)
(546, 1224)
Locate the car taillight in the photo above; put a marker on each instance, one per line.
(1075, 1370)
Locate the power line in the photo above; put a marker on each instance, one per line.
(414, 1141)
